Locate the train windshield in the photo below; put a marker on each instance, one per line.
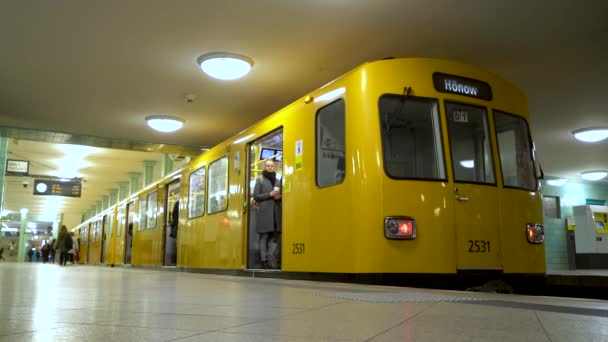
(411, 138)
(515, 151)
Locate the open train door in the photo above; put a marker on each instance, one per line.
(129, 232)
(476, 201)
(104, 227)
(264, 237)
(170, 227)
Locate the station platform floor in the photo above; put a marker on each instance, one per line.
(41, 302)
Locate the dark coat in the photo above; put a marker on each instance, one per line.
(269, 210)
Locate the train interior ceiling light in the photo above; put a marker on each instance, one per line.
(164, 123)
(225, 66)
(591, 134)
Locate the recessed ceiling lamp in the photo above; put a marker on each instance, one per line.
(594, 175)
(164, 123)
(225, 66)
(591, 134)
(469, 164)
(557, 182)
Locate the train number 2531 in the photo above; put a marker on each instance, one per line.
(298, 248)
(479, 246)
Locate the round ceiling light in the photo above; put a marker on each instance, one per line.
(591, 134)
(225, 66)
(164, 123)
(557, 182)
(594, 175)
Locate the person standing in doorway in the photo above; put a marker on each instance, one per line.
(267, 193)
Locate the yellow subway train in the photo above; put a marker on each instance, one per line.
(407, 166)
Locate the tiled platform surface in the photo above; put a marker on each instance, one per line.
(49, 303)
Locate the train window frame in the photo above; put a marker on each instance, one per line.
(531, 146)
(317, 146)
(227, 182)
(489, 129)
(204, 188)
(154, 213)
(441, 161)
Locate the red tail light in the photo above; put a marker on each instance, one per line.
(400, 228)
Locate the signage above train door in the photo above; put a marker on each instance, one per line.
(462, 86)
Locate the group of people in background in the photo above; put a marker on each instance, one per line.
(66, 245)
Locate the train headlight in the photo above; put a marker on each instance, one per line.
(535, 233)
(400, 228)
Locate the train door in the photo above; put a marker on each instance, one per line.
(265, 212)
(89, 228)
(171, 223)
(129, 232)
(475, 190)
(104, 226)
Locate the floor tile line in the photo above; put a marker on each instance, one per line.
(542, 326)
(402, 322)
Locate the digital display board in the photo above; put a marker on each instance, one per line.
(57, 188)
(269, 152)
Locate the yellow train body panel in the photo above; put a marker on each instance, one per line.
(460, 224)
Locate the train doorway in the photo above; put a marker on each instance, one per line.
(264, 184)
(476, 199)
(104, 226)
(89, 231)
(129, 232)
(170, 227)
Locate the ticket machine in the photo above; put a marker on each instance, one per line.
(591, 236)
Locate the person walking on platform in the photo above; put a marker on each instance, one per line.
(64, 244)
(52, 250)
(72, 252)
(267, 193)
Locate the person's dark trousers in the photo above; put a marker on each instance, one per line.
(63, 258)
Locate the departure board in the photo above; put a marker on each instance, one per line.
(57, 188)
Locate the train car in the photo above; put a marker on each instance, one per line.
(407, 166)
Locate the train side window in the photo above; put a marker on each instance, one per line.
(218, 186)
(143, 212)
(111, 224)
(411, 138)
(152, 208)
(196, 193)
(470, 143)
(515, 151)
(330, 144)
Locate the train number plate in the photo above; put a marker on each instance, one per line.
(479, 246)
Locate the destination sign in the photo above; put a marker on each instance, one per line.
(57, 188)
(462, 86)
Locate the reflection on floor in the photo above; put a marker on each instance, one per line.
(49, 303)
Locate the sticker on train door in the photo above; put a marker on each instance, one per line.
(299, 150)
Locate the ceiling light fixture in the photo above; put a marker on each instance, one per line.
(164, 123)
(594, 175)
(593, 134)
(225, 66)
(557, 182)
(469, 164)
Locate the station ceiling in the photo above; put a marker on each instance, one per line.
(97, 69)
